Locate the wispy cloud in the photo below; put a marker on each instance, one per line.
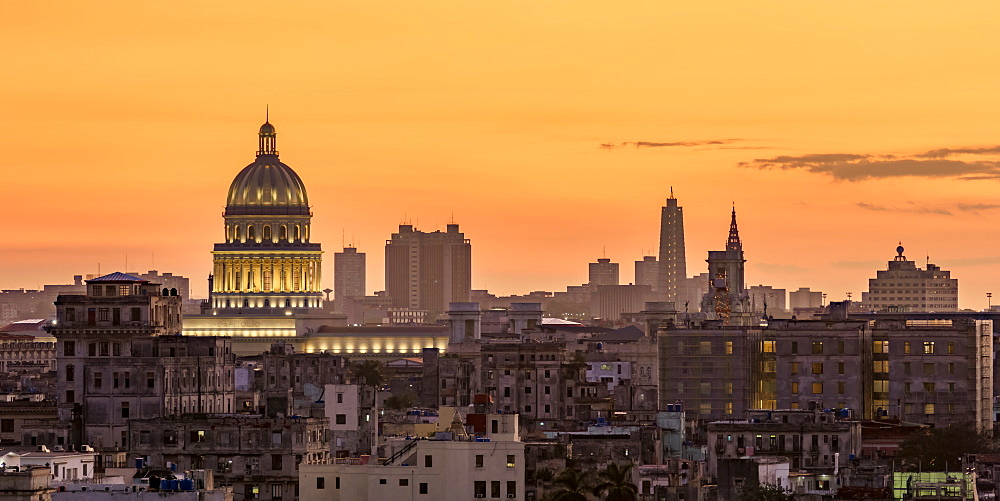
(976, 163)
(913, 207)
(669, 144)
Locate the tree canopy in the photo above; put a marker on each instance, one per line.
(940, 449)
(616, 483)
(369, 372)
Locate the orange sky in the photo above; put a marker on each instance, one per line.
(124, 122)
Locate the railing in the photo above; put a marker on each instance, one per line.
(400, 453)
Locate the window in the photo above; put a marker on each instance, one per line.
(136, 315)
(795, 387)
(767, 346)
(275, 491)
(795, 368)
(817, 347)
(906, 368)
(547, 390)
(125, 412)
(423, 487)
(70, 397)
(276, 437)
(428, 461)
(103, 314)
(840, 347)
(928, 347)
(841, 387)
(382, 481)
(510, 460)
(403, 482)
(98, 380)
(928, 369)
(881, 366)
(336, 482)
(795, 347)
(951, 367)
(511, 489)
(340, 398)
(6, 426)
(495, 489)
(150, 379)
(479, 460)
(817, 367)
(906, 347)
(880, 347)
(70, 373)
(729, 388)
(929, 387)
(115, 379)
(341, 418)
(70, 317)
(729, 347)
(527, 390)
(276, 461)
(479, 488)
(69, 348)
(951, 347)
(817, 388)
(928, 409)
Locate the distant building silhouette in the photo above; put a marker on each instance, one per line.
(805, 298)
(427, 271)
(647, 271)
(348, 276)
(905, 287)
(672, 262)
(603, 272)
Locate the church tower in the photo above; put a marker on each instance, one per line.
(727, 297)
(267, 264)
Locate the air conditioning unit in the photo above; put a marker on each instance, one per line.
(511, 495)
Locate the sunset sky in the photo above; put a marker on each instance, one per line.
(838, 128)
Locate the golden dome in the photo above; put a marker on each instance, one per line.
(267, 186)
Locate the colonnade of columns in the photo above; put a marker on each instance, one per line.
(267, 274)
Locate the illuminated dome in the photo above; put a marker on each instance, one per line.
(267, 186)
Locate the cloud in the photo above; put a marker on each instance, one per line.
(977, 164)
(913, 207)
(671, 144)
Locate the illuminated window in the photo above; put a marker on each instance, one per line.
(266, 233)
(817, 367)
(880, 346)
(250, 233)
(795, 388)
(124, 290)
(817, 347)
(705, 348)
(283, 235)
(928, 386)
(510, 460)
(906, 347)
(928, 347)
(841, 387)
(768, 346)
(704, 408)
(795, 368)
(840, 367)
(928, 409)
(729, 347)
(729, 388)
(880, 366)
(817, 388)
(951, 347)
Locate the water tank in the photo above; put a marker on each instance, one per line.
(187, 484)
(164, 484)
(138, 463)
(174, 484)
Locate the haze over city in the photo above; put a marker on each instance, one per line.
(551, 132)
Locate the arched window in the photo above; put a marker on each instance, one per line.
(246, 303)
(267, 303)
(307, 233)
(229, 233)
(267, 233)
(238, 233)
(283, 235)
(227, 303)
(250, 233)
(288, 303)
(298, 233)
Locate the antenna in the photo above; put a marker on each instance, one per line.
(267, 113)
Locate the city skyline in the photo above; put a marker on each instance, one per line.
(555, 147)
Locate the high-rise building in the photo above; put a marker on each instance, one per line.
(905, 287)
(348, 275)
(727, 298)
(805, 298)
(647, 271)
(267, 261)
(427, 271)
(603, 272)
(765, 297)
(673, 267)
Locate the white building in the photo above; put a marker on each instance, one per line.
(608, 372)
(64, 465)
(457, 469)
(353, 419)
(905, 287)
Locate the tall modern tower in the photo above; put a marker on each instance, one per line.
(647, 271)
(673, 267)
(427, 271)
(267, 265)
(348, 275)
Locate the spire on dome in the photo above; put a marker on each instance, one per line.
(734, 235)
(268, 143)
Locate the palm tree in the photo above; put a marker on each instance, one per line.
(573, 485)
(369, 372)
(616, 483)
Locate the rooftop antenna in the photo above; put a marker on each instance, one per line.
(343, 240)
(671, 192)
(267, 113)
(604, 251)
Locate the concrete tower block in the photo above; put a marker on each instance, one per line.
(524, 316)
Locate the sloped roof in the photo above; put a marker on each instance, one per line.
(624, 335)
(117, 277)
